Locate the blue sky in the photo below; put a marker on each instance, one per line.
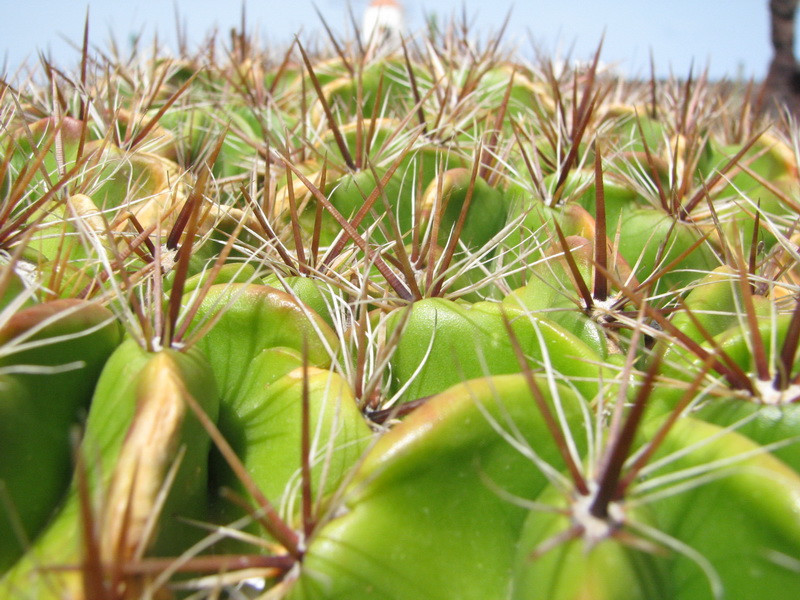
(730, 36)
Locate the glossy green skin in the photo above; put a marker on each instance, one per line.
(267, 435)
(255, 317)
(411, 178)
(737, 200)
(549, 294)
(423, 164)
(39, 410)
(493, 86)
(424, 475)
(26, 142)
(342, 93)
(197, 130)
(246, 126)
(349, 193)
(229, 273)
(737, 214)
(421, 488)
(524, 243)
(609, 571)
(415, 174)
(16, 285)
(246, 426)
(485, 216)
(735, 520)
(574, 571)
(112, 412)
(57, 239)
(764, 161)
(735, 343)
(714, 302)
(374, 149)
(618, 196)
(126, 179)
(631, 128)
(766, 424)
(643, 231)
(113, 409)
(420, 518)
(314, 294)
(472, 341)
(257, 340)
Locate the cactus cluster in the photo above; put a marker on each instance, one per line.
(422, 322)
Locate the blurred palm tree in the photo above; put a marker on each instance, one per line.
(783, 79)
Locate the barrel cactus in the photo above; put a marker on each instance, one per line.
(425, 323)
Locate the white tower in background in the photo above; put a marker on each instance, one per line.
(383, 25)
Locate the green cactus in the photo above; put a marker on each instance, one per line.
(413, 322)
